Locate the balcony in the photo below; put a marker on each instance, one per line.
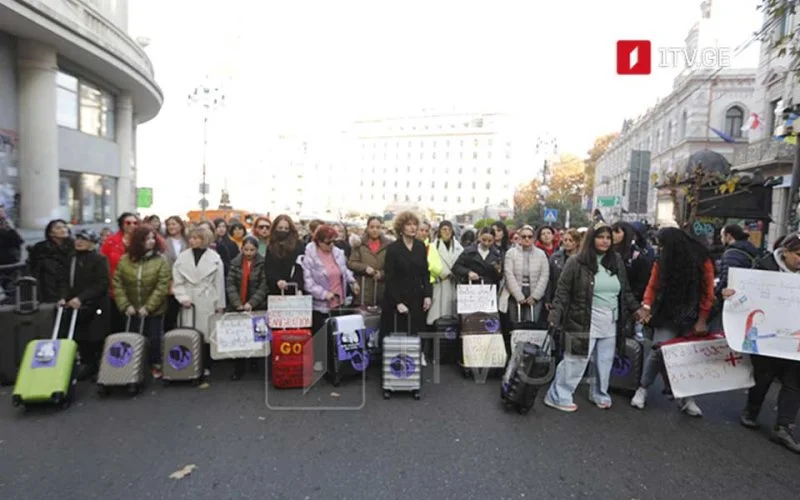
(762, 153)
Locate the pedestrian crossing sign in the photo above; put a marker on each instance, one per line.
(550, 215)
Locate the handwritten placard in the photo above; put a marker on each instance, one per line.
(289, 311)
(476, 298)
(761, 317)
(706, 366)
(484, 351)
(240, 335)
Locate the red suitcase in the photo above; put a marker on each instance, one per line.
(292, 359)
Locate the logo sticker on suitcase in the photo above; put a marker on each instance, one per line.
(492, 325)
(45, 354)
(180, 357)
(402, 366)
(451, 333)
(349, 348)
(621, 367)
(120, 354)
(261, 331)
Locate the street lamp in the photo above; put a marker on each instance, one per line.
(209, 98)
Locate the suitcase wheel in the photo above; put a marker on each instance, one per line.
(417, 395)
(16, 400)
(387, 395)
(102, 391)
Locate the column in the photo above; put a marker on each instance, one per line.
(126, 201)
(38, 134)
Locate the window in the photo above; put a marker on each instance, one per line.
(474, 185)
(459, 184)
(67, 100)
(422, 156)
(668, 142)
(445, 198)
(419, 198)
(87, 198)
(490, 142)
(508, 155)
(407, 198)
(475, 143)
(785, 24)
(446, 184)
(433, 184)
(447, 155)
(460, 171)
(773, 106)
(461, 155)
(395, 184)
(624, 186)
(433, 156)
(459, 199)
(408, 169)
(734, 119)
(489, 154)
(408, 184)
(372, 184)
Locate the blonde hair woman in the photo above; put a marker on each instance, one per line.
(199, 280)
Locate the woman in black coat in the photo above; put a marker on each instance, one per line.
(408, 282)
(481, 261)
(49, 261)
(86, 289)
(282, 262)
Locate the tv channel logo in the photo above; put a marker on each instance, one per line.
(634, 57)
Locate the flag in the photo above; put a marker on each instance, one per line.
(722, 135)
(753, 122)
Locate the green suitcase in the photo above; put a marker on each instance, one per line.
(48, 371)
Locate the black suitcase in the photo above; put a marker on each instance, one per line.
(626, 372)
(348, 356)
(372, 321)
(448, 350)
(21, 323)
(531, 367)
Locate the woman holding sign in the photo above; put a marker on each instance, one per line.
(785, 259)
(246, 288)
(481, 261)
(592, 299)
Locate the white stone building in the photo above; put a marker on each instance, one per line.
(73, 88)
(677, 126)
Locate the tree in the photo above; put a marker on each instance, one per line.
(566, 188)
(788, 44)
(601, 145)
(567, 181)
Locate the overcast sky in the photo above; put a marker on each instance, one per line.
(298, 65)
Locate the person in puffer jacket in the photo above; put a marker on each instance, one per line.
(141, 285)
(739, 252)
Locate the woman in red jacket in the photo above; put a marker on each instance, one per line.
(114, 248)
(678, 299)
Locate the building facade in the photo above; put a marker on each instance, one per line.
(661, 140)
(73, 88)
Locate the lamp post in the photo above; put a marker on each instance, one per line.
(209, 98)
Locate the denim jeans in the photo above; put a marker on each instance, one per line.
(154, 331)
(654, 364)
(570, 370)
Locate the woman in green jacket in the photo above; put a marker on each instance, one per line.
(246, 288)
(141, 286)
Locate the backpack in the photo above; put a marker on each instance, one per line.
(752, 258)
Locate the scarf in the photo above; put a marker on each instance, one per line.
(247, 265)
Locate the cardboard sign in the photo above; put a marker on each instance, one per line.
(289, 311)
(484, 351)
(476, 298)
(240, 335)
(706, 366)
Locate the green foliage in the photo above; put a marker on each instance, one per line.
(534, 215)
(787, 44)
(483, 223)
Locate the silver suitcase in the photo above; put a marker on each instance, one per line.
(402, 364)
(182, 354)
(124, 361)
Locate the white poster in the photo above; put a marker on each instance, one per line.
(484, 351)
(761, 318)
(701, 366)
(289, 311)
(240, 335)
(477, 298)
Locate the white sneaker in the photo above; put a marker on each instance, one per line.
(206, 373)
(424, 361)
(639, 398)
(689, 407)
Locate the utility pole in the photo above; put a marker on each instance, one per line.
(209, 98)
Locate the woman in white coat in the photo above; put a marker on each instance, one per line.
(444, 289)
(198, 279)
(527, 272)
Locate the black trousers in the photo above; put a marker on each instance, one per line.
(171, 318)
(765, 370)
(90, 352)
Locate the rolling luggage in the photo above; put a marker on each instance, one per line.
(525, 330)
(480, 323)
(483, 349)
(347, 353)
(292, 359)
(402, 363)
(372, 324)
(531, 367)
(626, 372)
(448, 329)
(48, 373)
(123, 363)
(182, 352)
(21, 323)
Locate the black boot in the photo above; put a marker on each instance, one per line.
(783, 435)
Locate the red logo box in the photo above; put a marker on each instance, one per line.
(633, 57)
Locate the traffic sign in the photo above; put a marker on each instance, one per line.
(144, 197)
(550, 215)
(203, 204)
(609, 201)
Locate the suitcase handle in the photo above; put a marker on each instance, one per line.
(288, 285)
(471, 282)
(374, 291)
(73, 320)
(29, 306)
(194, 316)
(128, 325)
(396, 315)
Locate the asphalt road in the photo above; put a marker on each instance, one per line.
(457, 442)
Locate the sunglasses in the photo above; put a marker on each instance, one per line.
(131, 222)
(264, 227)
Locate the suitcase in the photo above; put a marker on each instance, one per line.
(182, 352)
(372, 324)
(448, 330)
(22, 322)
(292, 359)
(531, 367)
(480, 323)
(626, 373)
(48, 373)
(347, 353)
(525, 330)
(402, 363)
(123, 363)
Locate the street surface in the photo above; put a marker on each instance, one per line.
(457, 442)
